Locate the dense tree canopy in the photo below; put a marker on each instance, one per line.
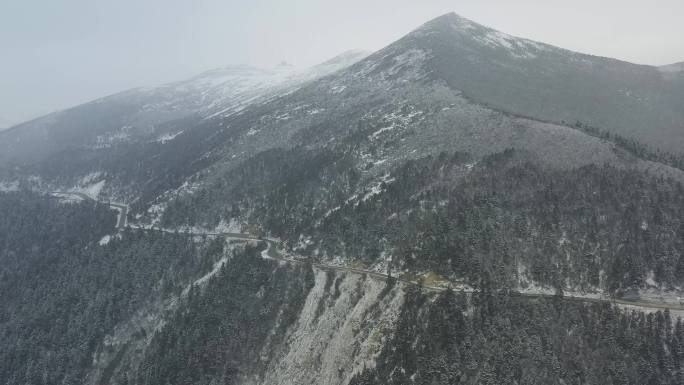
(61, 292)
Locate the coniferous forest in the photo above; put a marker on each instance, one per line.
(62, 292)
(460, 207)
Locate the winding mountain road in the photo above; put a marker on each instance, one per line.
(122, 208)
(272, 252)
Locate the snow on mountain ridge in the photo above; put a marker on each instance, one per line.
(516, 46)
(149, 113)
(549, 83)
(226, 89)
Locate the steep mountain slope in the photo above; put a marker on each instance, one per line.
(147, 114)
(549, 83)
(320, 167)
(410, 96)
(67, 288)
(398, 164)
(148, 308)
(419, 96)
(389, 108)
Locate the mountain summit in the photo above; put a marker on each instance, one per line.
(544, 82)
(451, 84)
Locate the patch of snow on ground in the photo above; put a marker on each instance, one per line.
(228, 227)
(89, 178)
(534, 288)
(497, 38)
(68, 198)
(397, 119)
(92, 190)
(517, 47)
(105, 240)
(536, 45)
(203, 280)
(111, 138)
(282, 117)
(377, 187)
(409, 63)
(337, 89)
(315, 111)
(377, 133)
(344, 337)
(409, 59)
(463, 24)
(524, 54)
(167, 137)
(155, 211)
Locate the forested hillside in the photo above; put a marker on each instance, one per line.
(220, 334)
(489, 337)
(504, 340)
(588, 228)
(62, 292)
(594, 226)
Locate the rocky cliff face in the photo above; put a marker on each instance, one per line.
(291, 324)
(346, 321)
(347, 328)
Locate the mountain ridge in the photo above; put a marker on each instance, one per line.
(549, 83)
(141, 112)
(469, 23)
(383, 88)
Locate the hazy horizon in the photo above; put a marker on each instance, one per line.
(60, 55)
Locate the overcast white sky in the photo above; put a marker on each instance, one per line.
(58, 53)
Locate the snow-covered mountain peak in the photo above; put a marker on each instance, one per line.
(238, 78)
(450, 22)
(456, 30)
(236, 75)
(456, 22)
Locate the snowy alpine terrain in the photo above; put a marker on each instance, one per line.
(461, 206)
(156, 112)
